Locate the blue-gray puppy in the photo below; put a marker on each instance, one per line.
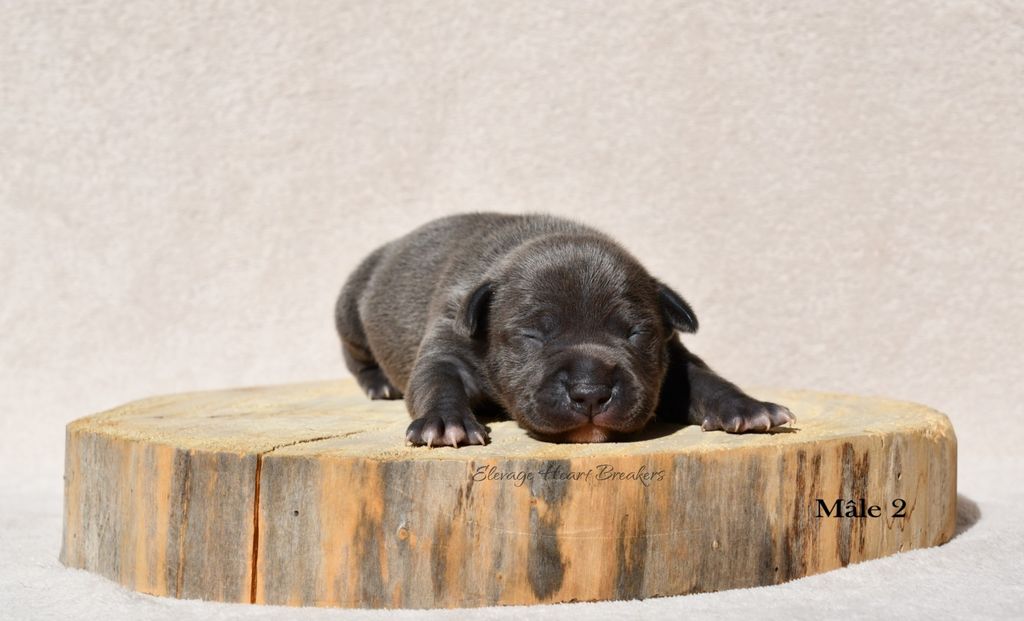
(534, 317)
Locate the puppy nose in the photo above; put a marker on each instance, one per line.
(591, 371)
(591, 397)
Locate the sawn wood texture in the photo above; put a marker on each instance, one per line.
(306, 495)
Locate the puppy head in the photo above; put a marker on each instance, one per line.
(576, 334)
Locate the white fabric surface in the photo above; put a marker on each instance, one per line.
(835, 187)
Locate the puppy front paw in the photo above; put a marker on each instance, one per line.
(448, 429)
(376, 385)
(747, 415)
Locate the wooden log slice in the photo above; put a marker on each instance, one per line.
(306, 495)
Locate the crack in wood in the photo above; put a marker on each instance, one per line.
(255, 528)
(254, 555)
(308, 440)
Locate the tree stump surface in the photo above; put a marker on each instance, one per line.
(306, 495)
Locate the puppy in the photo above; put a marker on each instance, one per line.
(538, 318)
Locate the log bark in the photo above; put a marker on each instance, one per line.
(306, 495)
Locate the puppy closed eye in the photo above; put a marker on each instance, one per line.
(638, 336)
(531, 338)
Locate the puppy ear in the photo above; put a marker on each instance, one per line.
(471, 318)
(680, 316)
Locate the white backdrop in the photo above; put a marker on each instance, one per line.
(836, 188)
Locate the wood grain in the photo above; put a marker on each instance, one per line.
(305, 495)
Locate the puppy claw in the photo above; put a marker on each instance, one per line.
(454, 435)
(429, 437)
(780, 415)
(412, 433)
(759, 422)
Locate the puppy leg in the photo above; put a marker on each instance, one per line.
(439, 402)
(368, 374)
(714, 402)
(354, 348)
